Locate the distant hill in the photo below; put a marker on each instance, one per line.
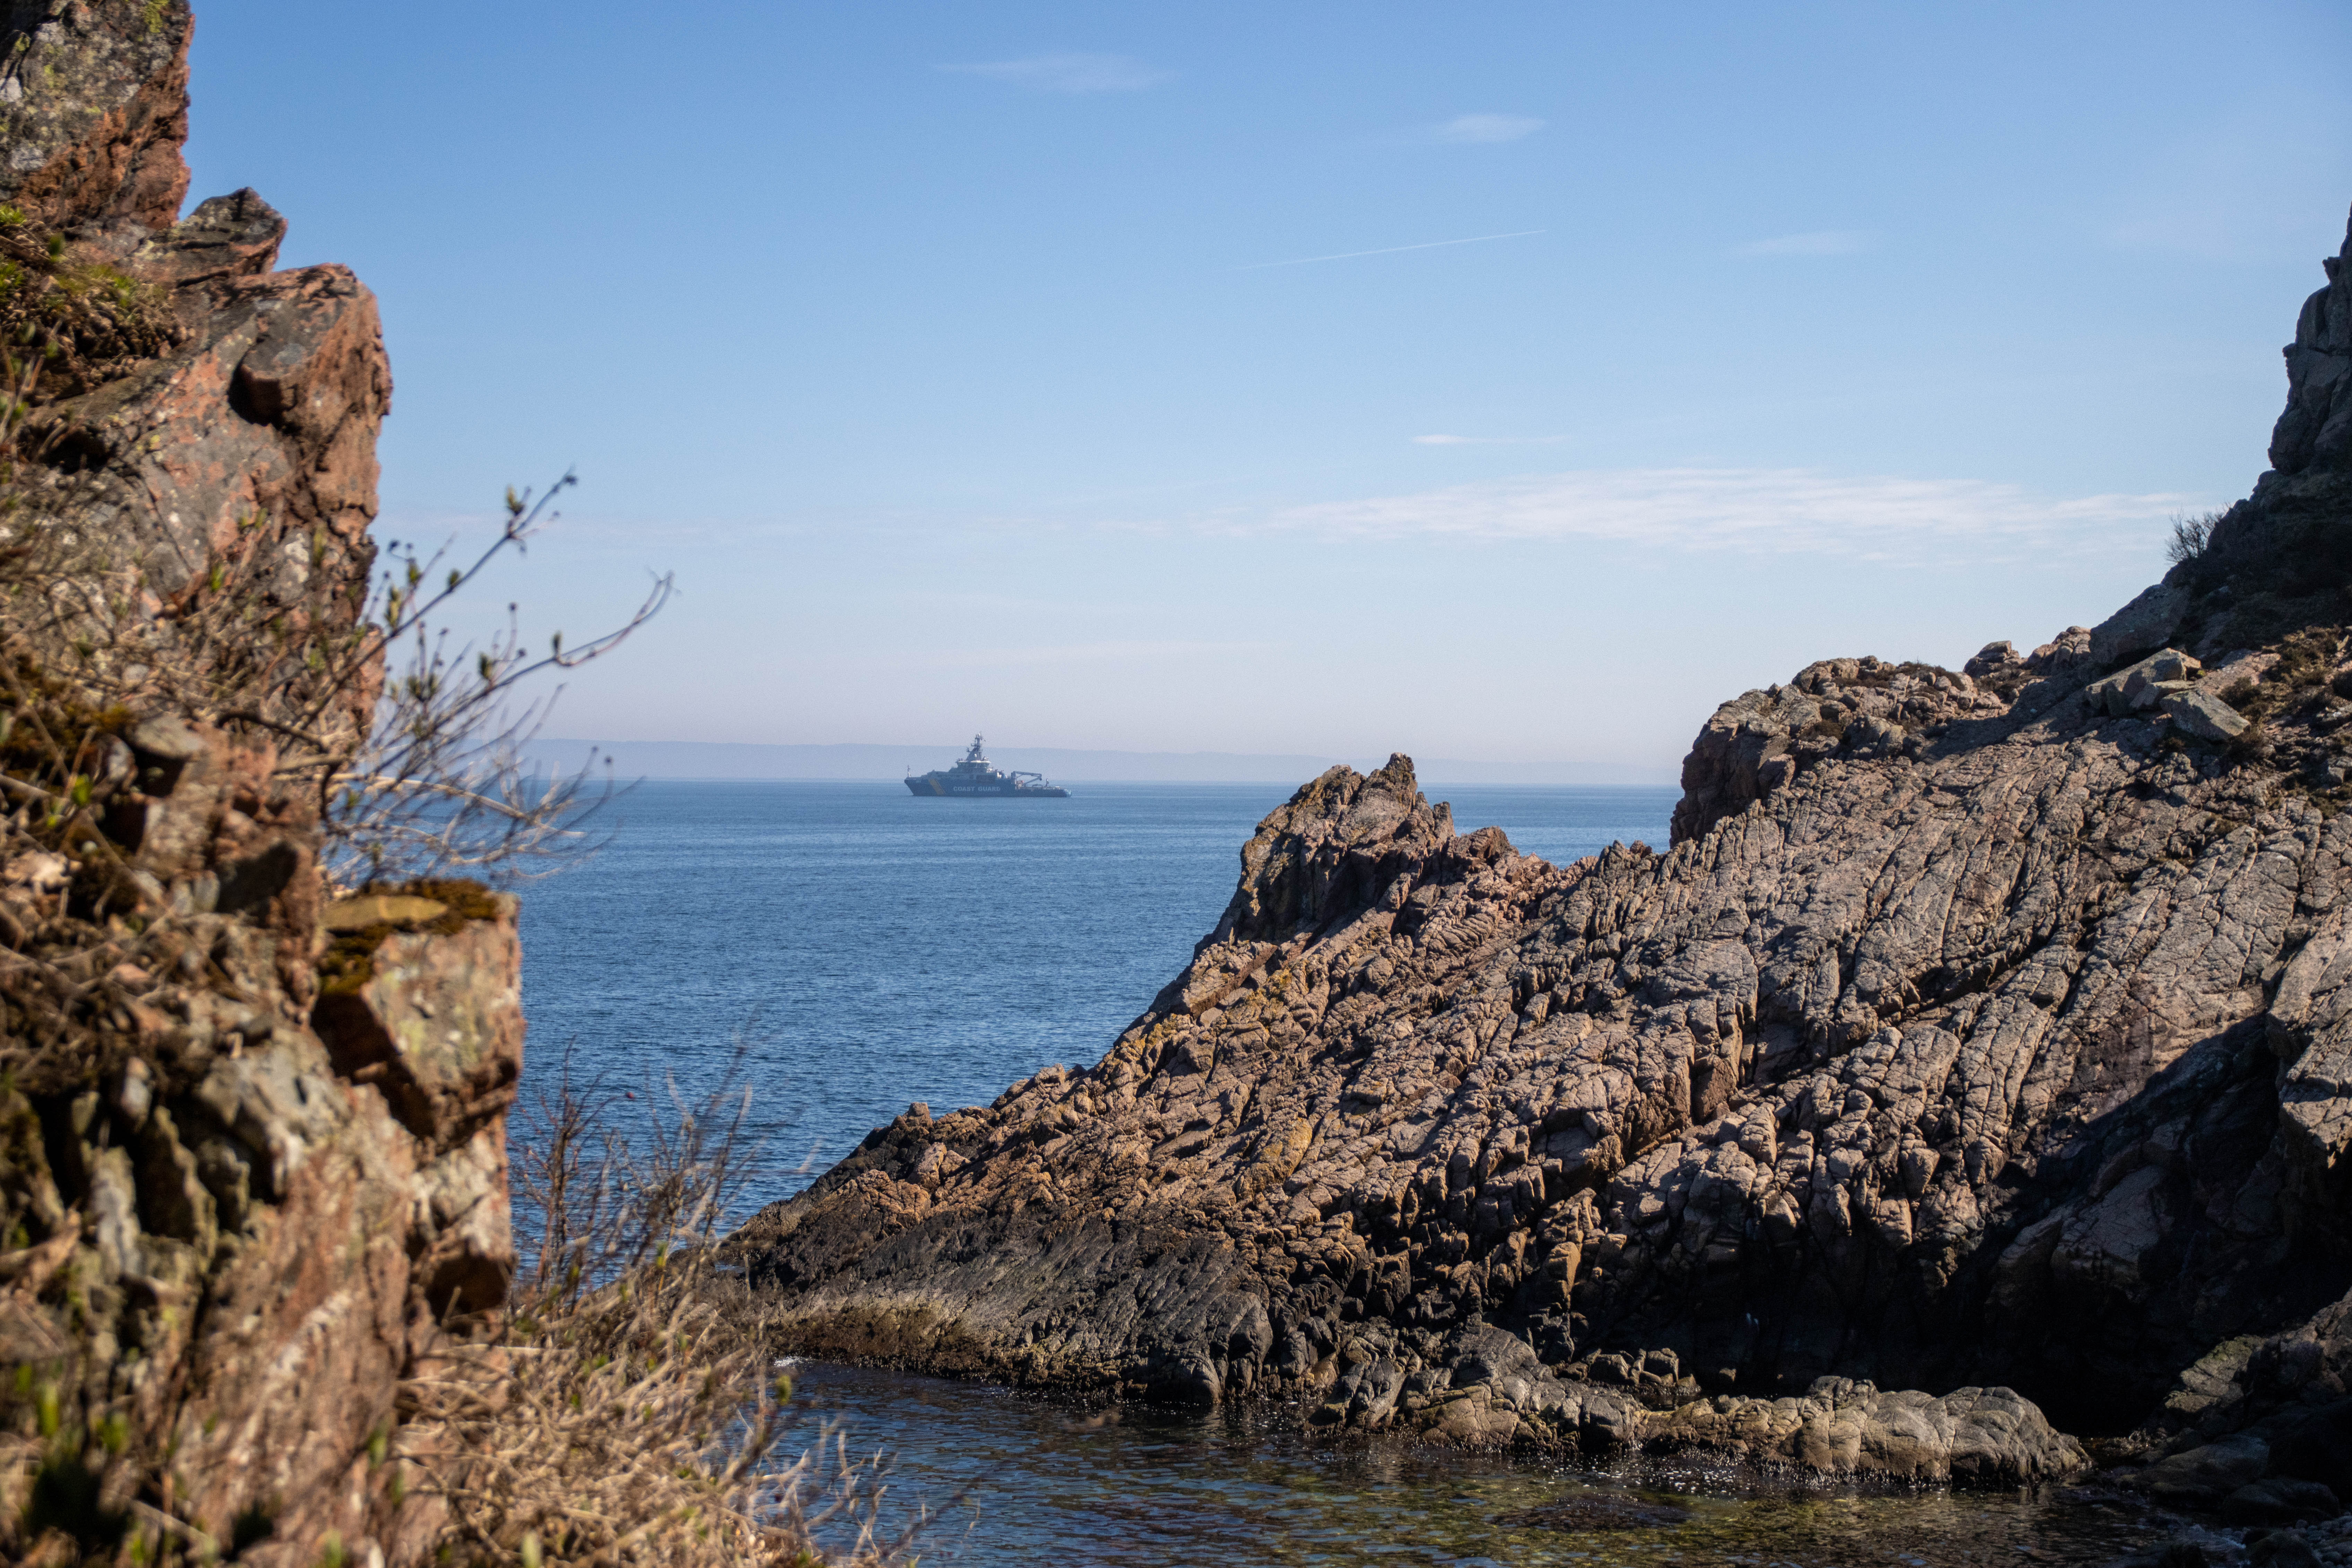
(728, 760)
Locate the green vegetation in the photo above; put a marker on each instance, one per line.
(77, 323)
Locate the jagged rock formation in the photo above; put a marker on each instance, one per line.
(1979, 1027)
(235, 1197)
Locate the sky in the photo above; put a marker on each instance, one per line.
(1513, 382)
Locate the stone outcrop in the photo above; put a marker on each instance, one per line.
(93, 111)
(252, 1142)
(1979, 1031)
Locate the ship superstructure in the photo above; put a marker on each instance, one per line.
(976, 775)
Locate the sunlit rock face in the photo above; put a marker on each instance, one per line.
(237, 1198)
(1979, 1031)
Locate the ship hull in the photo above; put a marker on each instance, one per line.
(941, 785)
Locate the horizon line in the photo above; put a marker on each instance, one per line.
(1300, 765)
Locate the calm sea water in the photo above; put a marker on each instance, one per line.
(866, 948)
(1010, 1478)
(854, 949)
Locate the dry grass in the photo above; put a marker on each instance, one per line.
(2297, 678)
(626, 1407)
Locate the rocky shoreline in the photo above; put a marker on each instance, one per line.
(1979, 1031)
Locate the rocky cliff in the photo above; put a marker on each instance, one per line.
(251, 1140)
(1980, 1030)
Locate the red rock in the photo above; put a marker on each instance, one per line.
(272, 1216)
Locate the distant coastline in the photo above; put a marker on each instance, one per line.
(721, 760)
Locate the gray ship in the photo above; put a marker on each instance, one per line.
(974, 775)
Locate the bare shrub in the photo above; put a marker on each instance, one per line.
(93, 643)
(2192, 537)
(412, 739)
(440, 787)
(625, 1406)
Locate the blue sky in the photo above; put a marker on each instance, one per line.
(1113, 377)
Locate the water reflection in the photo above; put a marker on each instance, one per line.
(1041, 1482)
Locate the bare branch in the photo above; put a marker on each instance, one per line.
(441, 786)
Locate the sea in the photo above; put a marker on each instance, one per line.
(846, 949)
(817, 956)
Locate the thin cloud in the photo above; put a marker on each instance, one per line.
(1389, 250)
(1777, 511)
(1476, 129)
(1821, 242)
(1070, 73)
(1487, 440)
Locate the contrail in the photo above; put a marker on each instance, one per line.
(1391, 249)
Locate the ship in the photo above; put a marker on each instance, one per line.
(976, 775)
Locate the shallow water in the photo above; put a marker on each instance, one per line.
(1044, 1482)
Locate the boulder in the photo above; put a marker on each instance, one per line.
(2144, 685)
(2207, 1473)
(1992, 657)
(2207, 717)
(2282, 1549)
(2147, 622)
(1984, 1436)
(2280, 1501)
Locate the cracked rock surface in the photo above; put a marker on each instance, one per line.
(1985, 1032)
